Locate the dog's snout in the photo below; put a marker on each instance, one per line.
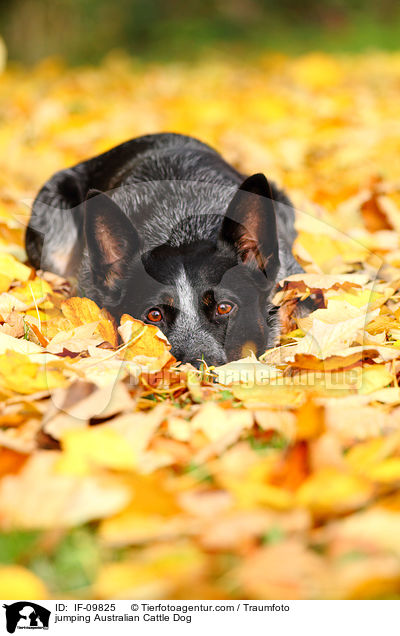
(199, 350)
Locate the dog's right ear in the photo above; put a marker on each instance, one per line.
(111, 239)
(250, 227)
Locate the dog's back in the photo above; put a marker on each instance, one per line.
(171, 185)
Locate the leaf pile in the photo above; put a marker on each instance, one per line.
(124, 474)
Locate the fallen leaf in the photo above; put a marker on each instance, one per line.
(18, 582)
(330, 491)
(286, 570)
(80, 311)
(40, 497)
(144, 344)
(157, 574)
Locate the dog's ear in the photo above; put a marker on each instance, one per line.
(111, 239)
(249, 226)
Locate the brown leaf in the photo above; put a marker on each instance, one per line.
(13, 325)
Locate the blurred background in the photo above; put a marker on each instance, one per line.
(83, 31)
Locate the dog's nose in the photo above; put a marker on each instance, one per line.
(196, 346)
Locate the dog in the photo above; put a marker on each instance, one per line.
(161, 227)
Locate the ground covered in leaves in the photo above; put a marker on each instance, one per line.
(123, 474)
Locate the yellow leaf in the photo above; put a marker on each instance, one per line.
(146, 344)
(32, 291)
(11, 268)
(360, 298)
(330, 491)
(317, 71)
(19, 374)
(332, 329)
(40, 497)
(310, 420)
(5, 282)
(119, 444)
(252, 489)
(246, 371)
(376, 528)
(374, 377)
(272, 395)
(155, 574)
(146, 517)
(90, 447)
(17, 582)
(386, 472)
(80, 311)
(215, 422)
(364, 456)
(75, 340)
(329, 253)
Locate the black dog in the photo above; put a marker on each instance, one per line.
(181, 241)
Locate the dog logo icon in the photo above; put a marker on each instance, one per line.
(26, 615)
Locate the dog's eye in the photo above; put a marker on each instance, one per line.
(224, 308)
(154, 315)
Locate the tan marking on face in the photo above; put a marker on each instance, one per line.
(61, 261)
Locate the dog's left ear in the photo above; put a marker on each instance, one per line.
(249, 226)
(111, 239)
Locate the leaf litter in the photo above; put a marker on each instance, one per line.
(270, 478)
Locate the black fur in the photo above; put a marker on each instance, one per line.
(179, 230)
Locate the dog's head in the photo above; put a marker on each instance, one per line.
(210, 297)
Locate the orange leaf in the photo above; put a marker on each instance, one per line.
(310, 420)
(11, 461)
(293, 468)
(144, 340)
(42, 339)
(80, 311)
